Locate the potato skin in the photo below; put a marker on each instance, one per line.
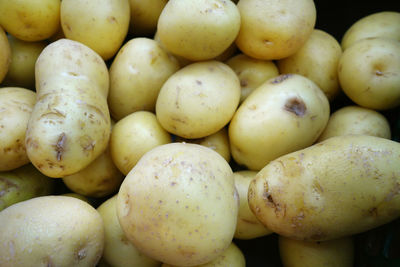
(342, 186)
(5, 54)
(70, 124)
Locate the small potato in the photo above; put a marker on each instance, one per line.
(332, 253)
(251, 72)
(57, 231)
(136, 76)
(274, 29)
(369, 73)
(133, 136)
(317, 60)
(144, 16)
(16, 105)
(188, 28)
(340, 187)
(198, 100)
(102, 25)
(284, 114)
(356, 120)
(248, 226)
(179, 204)
(385, 24)
(118, 251)
(5, 54)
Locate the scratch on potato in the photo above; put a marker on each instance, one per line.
(59, 147)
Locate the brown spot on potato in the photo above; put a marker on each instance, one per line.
(60, 146)
(373, 212)
(281, 78)
(296, 106)
(243, 83)
(199, 82)
(112, 19)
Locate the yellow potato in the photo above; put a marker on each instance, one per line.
(70, 124)
(5, 54)
(332, 253)
(317, 60)
(179, 204)
(284, 114)
(274, 29)
(180, 60)
(369, 73)
(248, 226)
(101, 25)
(188, 28)
(356, 120)
(51, 231)
(384, 24)
(340, 187)
(198, 100)
(16, 105)
(118, 251)
(30, 20)
(133, 136)
(144, 16)
(136, 75)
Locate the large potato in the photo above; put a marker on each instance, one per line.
(16, 105)
(5, 54)
(188, 28)
(342, 186)
(274, 29)
(283, 115)
(179, 204)
(198, 100)
(70, 124)
(144, 16)
(51, 231)
(102, 25)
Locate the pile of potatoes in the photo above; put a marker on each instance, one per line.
(174, 128)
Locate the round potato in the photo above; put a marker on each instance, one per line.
(136, 76)
(187, 27)
(369, 73)
(172, 204)
(317, 60)
(144, 16)
(16, 106)
(5, 54)
(251, 72)
(284, 114)
(101, 25)
(57, 231)
(342, 186)
(198, 100)
(118, 251)
(274, 29)
(385, 24)
(356, 120)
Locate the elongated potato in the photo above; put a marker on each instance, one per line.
(70, 123)
(342, 186)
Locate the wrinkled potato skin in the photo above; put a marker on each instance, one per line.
(70, 124)
(144, 16)
(57, 231)
(356, 120)
(5, 54)
(340, 187)
(16, 105)
(385, 24)
(332, 253)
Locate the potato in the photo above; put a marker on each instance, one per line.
(102, 25)
(5, 54)
(16, 105)
(274, 29)
(30, 20)
(332, 253)
(136, 75)
(187, 27)
(284, 114)
(118, 251)
(57, 231)
(369, 73)
(384, 24)
(248, 226)
(173, 203)
(317, 60)
(144, 16)
(23, 58)
(198, 100)
(70, 124)
(133, 136)
(356, 120)
(251, 72)
(340, 187)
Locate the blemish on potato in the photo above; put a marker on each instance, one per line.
(59, 147)
(280, 78)
(296, 106)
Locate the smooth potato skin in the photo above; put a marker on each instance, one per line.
(342, 186)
